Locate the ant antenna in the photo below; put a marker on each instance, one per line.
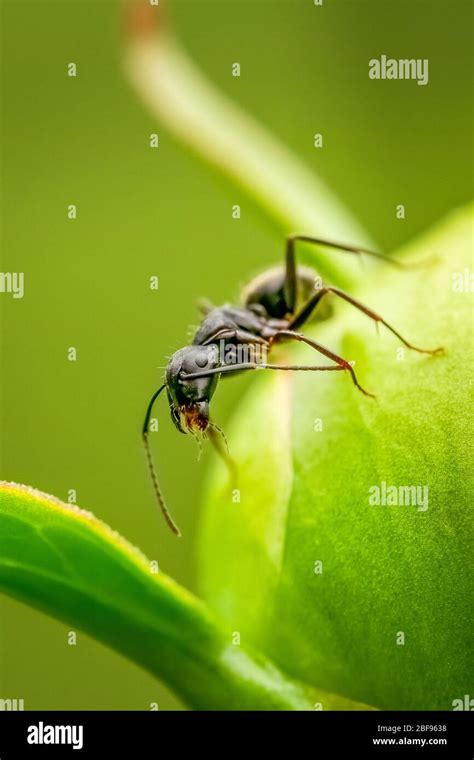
(154, 477)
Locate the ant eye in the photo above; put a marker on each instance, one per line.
(202, 360)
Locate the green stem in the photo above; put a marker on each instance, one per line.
(179, 95)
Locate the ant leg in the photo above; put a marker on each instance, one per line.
(341, 364)
(311, 304)
(290, 252)
(257, 365)
(154, 477)
(290, 287)
(306, 310)
(290, 335)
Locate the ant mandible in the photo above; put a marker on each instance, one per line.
(273, 307)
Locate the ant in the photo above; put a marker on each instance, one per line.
(274, 306)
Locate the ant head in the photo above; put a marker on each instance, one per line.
(189, 399)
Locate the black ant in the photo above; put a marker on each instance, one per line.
(235, 338)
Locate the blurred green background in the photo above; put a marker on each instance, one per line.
(144, 212)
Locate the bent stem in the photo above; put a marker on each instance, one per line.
(180, 96)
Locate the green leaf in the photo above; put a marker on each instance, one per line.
(65, 562)
(304, 497)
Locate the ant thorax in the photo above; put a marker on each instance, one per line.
(228, 322)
